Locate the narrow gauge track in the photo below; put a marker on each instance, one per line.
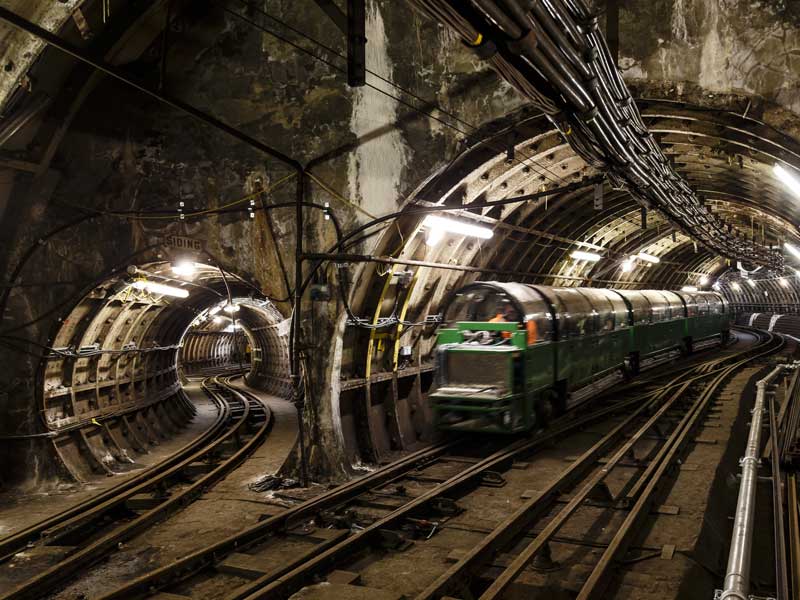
(89, 531)
(637, 496)
(249, 565)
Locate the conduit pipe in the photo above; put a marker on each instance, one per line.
(737, 575)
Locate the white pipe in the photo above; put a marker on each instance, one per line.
(737, 576)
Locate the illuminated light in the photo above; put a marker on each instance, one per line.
(434, 236)
(184, 268)
(648, 258)
(218, 320)
(581, 255)
(716, 287)
(792, 249)
(231, 308)
(787, 178)
(704, 280)
(215, 310)
(437, 226)
(627, 265)
(688, 288)
(751, 283)
(160, 288)
(736, 287)
(784, 282)
(797, 272)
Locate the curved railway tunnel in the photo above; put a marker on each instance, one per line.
(104, 184)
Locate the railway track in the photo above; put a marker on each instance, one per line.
(286, 552)
(91, 530)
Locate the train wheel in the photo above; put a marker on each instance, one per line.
(543, 410)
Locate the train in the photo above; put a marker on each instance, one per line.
(511, 356)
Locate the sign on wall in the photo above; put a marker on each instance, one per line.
(180, 242)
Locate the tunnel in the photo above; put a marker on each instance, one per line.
(422, 299)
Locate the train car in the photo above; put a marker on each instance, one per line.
(511, 355)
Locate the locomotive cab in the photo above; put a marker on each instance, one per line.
(482, 358)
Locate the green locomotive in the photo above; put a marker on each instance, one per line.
(512, 354)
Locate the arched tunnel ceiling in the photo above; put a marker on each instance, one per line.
(726, 157)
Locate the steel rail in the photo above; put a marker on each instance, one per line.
(264, 531)
(67, 568)
(260, 532)
(534, 508)
(595, 585)
(207, 557)
(103, 501)
(275, 585)
(506, 531)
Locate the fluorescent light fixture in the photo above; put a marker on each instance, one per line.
(751, 283)
(648, 258)
(784, 282)
(437, 226)
(218, 320)
(184, 268)
(736, 287)
(716, 287)
(688, 288)
(793, 249)
(231, 308)
(788, 179)
(581, 255)
(627, 265)
(215, 310)
(704, 280)
(160, 288)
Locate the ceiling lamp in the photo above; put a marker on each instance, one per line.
(160, 288)
(688, 288)
(704, 280)
(627, 265)
(581, 255)
(215, 310)
(784, 282)
(736, 287)
(751, 283)
(787, 178)
(184, 268)
(792, 249)
(231, 308)
(438, 226)
(648, 258)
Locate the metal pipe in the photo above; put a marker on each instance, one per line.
(737, 576)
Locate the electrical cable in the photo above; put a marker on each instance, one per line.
(554, 49)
